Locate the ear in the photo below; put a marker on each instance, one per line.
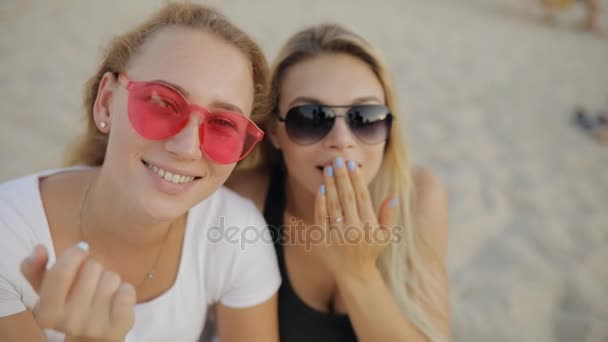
(101, 108)
(273, 135)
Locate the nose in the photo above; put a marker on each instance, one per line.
(340, 137)
(186, 143)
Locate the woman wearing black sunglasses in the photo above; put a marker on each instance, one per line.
(360, 233)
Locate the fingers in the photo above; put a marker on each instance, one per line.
(334, 209)
(363, 199)
(321, 207)
(122, 311)
(57, 283)
(33, 267)
(78, 297)
(346, 193)
(101, 305)
(387, 218)
(80, 300)
(388, 211)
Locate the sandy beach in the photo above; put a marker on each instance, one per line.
(487, 91)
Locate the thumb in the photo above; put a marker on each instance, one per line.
(388, 212)
(34, 267)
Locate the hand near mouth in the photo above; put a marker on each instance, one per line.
(354, 235)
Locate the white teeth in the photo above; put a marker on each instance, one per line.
(170, 177)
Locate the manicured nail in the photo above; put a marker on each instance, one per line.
(339, 162)
(83, 246)
(322, 190)
(394, 202)
(351, 165)
(330, 171)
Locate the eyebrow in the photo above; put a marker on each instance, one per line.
(358, 100)
(174, 86)
(228, 106)
(215, 104)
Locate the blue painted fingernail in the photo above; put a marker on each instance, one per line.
(83, 246)
(351, 165)
(322, 190)
(394, 202)
(330, 171)
(339, 162)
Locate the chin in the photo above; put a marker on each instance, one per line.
(161, 210)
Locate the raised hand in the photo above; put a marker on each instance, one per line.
(78, 297)
(354, 235)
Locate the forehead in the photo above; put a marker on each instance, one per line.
(209, 68)
(331, 79)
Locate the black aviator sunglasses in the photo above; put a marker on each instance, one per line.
(308, 124)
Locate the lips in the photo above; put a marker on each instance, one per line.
(321, 167)
(172, 176)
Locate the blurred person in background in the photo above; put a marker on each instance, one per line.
(592, 9)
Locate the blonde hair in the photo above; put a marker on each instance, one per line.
(400, 262)
(90, 149)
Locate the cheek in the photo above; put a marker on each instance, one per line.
(295, 156)
(123, 133)
(124, 141)
(373, 160)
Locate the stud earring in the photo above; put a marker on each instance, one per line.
(103, 124)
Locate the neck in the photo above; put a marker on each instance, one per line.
(300, 203)
(111, 220)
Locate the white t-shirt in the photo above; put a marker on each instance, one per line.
(239, 270)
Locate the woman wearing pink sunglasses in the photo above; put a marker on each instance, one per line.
(120, 248)
(360, 233)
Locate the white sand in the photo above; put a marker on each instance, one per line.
(487, 91)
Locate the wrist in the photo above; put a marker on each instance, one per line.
(361, 278)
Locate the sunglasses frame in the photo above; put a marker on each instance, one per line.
(257, 135)
(388, 117)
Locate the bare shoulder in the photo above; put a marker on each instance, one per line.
(62, 190)
(430, 209)
(252, 184)
(61, 195)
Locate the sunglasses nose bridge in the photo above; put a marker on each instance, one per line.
(340, 136)
(186, 143)
(197, 112)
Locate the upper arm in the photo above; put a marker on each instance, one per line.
(255, 323)
(20, 327)
(430, 210)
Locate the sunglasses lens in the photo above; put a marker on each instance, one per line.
(308, 124)
(154, 111)
(370, 123)
(159, 112)
(228, 137)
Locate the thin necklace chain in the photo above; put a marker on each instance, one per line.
(150, 274)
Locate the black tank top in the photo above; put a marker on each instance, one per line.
(297, 320)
